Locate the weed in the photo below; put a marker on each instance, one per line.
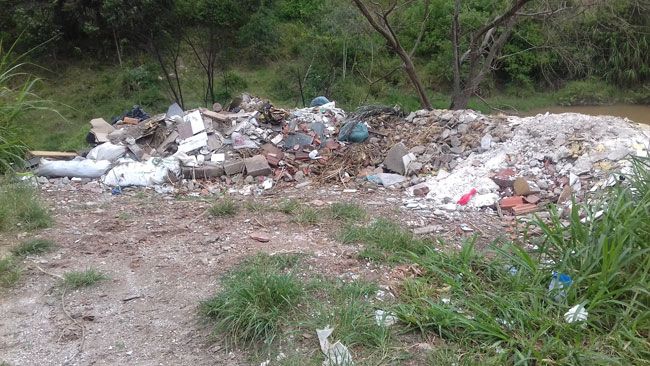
(289, 207)
(257, 207)
(498, 310)
(9, 272)
(78, 279)
(347, 211)
(254, 300)
(225, 207)
(21, 206)
(308, 216)
(34, 246)
(385, 240)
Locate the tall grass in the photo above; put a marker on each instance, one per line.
(499, 310)
(16, 98)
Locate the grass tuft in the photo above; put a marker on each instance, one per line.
(78, 279)
(9, 272)
(347, 211)
(31, 247)
(224, 208)
(308, 216)
(289, 207)
(21, 206)
(385, 240)
(256, 297)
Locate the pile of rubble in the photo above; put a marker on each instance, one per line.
(444, 159)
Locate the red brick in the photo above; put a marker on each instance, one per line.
(510, 202)
(525, 208)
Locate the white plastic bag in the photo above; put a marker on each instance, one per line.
(79, 167)
(107, 151)
(145, 174)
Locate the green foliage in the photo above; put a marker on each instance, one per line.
(289, 207)
(256, 297)
(21, 206)
(9, 272)
(347, 211)
(224, 208)
(32, 247)
(308, 216)
(586, 92)
(385, 240)
(499, 307)
(79, 279)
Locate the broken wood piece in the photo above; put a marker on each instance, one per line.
(52, 154)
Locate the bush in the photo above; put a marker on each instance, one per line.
(586, 92)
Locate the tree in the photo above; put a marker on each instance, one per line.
(485, 45)
(378, 18)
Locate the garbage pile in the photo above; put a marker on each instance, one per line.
(449, 160)
(524, 163)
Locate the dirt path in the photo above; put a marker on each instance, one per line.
(160, 270)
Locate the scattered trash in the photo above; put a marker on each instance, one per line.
(559, 283)
(466, 197)
(385, 319)
(577, 313)
(335, 354)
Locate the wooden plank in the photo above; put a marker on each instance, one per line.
(52, 154)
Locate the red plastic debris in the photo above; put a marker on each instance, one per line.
(466, 197)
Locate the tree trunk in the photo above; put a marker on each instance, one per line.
(460, 100)
(381, 24)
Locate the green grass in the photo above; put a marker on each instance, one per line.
(384, 240)
(255, 299)
(347, 211)
(256, 207)
(224, 208)
(289, 207)
(308, 216)
(21, 207)
(9, 272)
(31, 247)
(488, 314)
(267, 304)
(79, 279)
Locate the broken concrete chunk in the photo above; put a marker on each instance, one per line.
(137, 151)
(534, 199)
(193, 143)
(420, 190)
(394, 159)
(184, 130)
(171, 138)
(233, 167)
(100, 129)
(257, 165)
(214, 142)
(203, 172)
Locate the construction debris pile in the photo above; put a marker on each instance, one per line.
(447, 160)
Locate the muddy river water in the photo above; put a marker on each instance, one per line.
(636, 113)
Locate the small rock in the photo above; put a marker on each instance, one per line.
(420, 190)
(261, 237)
(418, 150)
(521, 186)
(249, 179)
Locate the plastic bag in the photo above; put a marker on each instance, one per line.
(107, 151)
(145, 174)
(79, 167)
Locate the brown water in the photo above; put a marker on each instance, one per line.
(636, 113)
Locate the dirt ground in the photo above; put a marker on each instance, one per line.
(163, 258)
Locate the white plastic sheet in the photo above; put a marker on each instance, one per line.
(79, 167)
(144, 174)
(107, 151)
(335, 354)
